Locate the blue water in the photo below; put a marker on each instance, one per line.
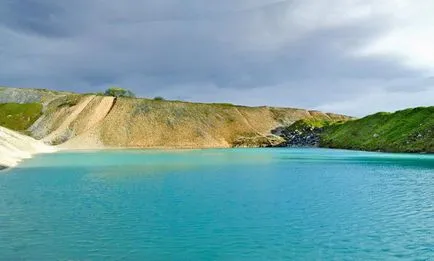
(241, 204)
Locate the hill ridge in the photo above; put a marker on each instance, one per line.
(146, 123)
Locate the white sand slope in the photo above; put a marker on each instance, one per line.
(89, 133)
(14, 147)
(64, 127)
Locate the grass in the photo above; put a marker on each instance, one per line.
(223, 104)
(311, 124)
(19, 117)
(410, 130)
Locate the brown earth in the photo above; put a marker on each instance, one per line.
(89, 121)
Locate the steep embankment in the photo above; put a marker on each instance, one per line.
(95, 121)
(14, 147)
(89, 121)
(410, 130)
(148, 123)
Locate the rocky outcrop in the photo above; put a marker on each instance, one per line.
(307, 132)
(14, 147)
(18, 95)
(299, 137)
(259, 142)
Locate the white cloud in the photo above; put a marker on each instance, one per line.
(411, 36)
(380, 100)
(329, 54)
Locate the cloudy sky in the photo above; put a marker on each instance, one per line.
(347, 56)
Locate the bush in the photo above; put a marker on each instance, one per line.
(225, 104)
(68, 101)
(119, 92)
(159, 98)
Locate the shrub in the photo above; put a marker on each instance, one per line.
(225, 104)
(68, 101)
(119, 92)
(159, 98)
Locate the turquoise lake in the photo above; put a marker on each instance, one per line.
(233, 204)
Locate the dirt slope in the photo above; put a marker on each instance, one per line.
(90, 121)
(96, 121)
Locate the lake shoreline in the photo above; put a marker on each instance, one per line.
(43, 149)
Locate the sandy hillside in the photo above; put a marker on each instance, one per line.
(96, 121)
(92, 121)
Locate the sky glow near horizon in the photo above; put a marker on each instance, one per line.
(346, 56)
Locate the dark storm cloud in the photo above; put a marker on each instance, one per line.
(45, 18)
(158, 47)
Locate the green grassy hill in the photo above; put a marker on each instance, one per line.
(410, 130)
(19, 117)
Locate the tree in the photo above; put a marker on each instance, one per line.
(159, 98)
(119, 92)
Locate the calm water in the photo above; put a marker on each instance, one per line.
(268, 204)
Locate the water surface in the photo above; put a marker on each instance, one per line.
(240, 204)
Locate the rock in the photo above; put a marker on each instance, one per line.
(12, 95)
(306, 137)
(258, 141)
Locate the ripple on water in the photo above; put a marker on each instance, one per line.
(271, 204)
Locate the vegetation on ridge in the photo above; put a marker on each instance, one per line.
(312, 124)
(410, 130)
(119, 92)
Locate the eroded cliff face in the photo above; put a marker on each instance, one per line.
(89, 121)
(14, 147)
(96, 121)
